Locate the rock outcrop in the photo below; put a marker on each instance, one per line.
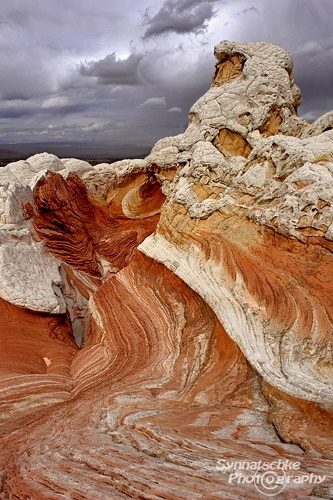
(163, 317)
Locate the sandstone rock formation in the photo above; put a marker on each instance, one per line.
(161, 317)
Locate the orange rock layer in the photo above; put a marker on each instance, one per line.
(175, 397)
(75, 229)
(188, 323)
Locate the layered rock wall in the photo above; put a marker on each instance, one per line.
(160, 316)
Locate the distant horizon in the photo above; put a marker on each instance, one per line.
(73, 149)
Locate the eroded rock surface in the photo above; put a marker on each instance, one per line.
(161, 317)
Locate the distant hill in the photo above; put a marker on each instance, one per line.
(8, 154)
(82, 150)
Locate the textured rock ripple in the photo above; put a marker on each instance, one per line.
(161, 317)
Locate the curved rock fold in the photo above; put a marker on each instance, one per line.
(161, 317)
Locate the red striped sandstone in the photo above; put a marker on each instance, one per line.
(197, 285)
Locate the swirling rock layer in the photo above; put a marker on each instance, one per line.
(165, 316)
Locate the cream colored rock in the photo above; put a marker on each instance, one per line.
(24, 171)
(30, 278)
(102, 178)
(244, 136)
(160, 395)
(74, 165)
(45, 161)
(281, 361)
(29, 273)
(246, 155)
(13, 196)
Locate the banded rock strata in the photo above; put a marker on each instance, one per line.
(162, 315)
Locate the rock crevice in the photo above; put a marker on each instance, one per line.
(160, 316)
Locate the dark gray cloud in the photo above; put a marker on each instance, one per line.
(313, 73)
(185, 16)
(114, 71)
(82, 71)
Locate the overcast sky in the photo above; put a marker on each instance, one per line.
(127, 71)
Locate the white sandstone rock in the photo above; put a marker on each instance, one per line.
(30, 277)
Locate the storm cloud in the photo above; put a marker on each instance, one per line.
(186, 16)
(128, 72)
(114, 71)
